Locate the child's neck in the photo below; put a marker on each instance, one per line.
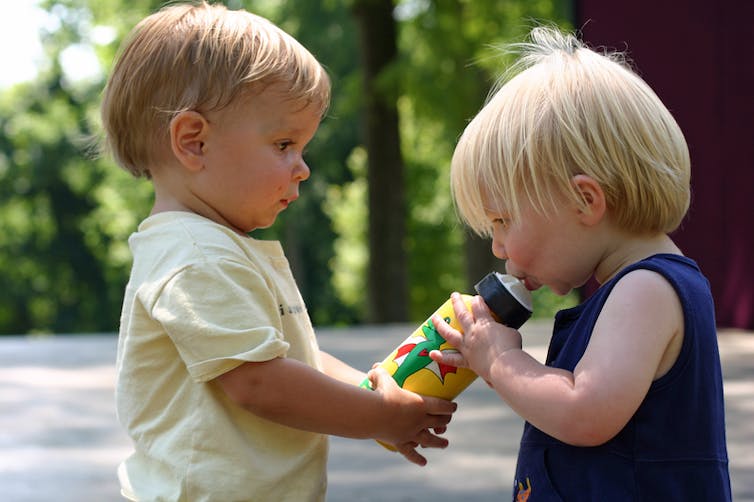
(631, 250)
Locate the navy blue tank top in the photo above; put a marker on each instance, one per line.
(673, 448)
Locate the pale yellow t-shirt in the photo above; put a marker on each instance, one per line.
(202, 300)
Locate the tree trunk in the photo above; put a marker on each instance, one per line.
(387, 293)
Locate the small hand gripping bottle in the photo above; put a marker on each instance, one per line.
(410, 364)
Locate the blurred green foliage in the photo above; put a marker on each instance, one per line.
(66, 214)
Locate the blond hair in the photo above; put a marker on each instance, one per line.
(567, 111)
(197, 57)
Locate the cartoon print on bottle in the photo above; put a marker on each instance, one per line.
(413, 369)
(413, 355)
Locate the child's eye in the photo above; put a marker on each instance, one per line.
(283, 145)
(503, 222)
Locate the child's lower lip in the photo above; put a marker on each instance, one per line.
(530, 285)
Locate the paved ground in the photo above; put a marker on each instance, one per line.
(59, 439)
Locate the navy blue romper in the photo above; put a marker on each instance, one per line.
(673, 448)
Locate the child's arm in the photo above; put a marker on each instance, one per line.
(636, 339)
(294, 394)
(334, 367)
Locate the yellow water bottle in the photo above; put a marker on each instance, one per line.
(412, 368)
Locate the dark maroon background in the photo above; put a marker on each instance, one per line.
(698, 56)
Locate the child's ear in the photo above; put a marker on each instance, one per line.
(593, 199)
(188, 130)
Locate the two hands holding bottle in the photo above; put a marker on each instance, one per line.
(443, 356)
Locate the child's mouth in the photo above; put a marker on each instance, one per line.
(530, 284)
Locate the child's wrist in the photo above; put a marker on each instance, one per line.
(502, 362)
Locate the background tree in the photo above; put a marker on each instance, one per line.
(387, 294)
(62, 223)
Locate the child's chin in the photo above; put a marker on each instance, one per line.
(561, 292)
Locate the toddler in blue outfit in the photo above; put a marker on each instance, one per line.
(576, 169)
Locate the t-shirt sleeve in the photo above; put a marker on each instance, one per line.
(219, 315)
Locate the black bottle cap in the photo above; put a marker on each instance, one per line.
(507, 297)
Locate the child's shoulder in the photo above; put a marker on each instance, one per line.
(195, 237)
(672, 267)
(666, 283)
(665, 275)
(177, 244)
(184, 237)
(181, 228)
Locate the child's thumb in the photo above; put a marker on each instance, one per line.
(378, 376)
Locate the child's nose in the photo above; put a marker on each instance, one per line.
(302, 171)
(498, 249)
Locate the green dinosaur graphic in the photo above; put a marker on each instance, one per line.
(417, 354)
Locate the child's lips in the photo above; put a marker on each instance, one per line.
(287, 202)
(531, 284)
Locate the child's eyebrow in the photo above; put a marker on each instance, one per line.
(290, 129)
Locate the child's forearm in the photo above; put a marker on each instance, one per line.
(291, 393)
(335, 368)
(549, 399)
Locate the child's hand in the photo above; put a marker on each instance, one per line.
(408, 450)
(411, 417)
(483, 339)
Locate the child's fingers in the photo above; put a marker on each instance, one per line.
(428, 440)
(408, 450)
(379, 377)
(479, 308)
(449, 358)
(453, 336)
(439, 407)
(465, 318)
(437, 421)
